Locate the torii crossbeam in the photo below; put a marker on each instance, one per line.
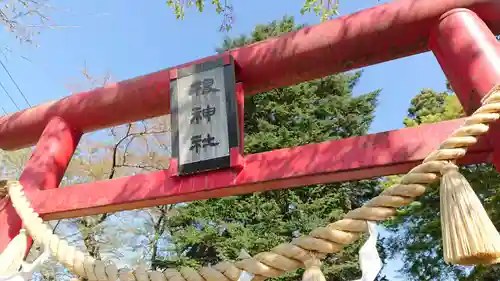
(461, 33)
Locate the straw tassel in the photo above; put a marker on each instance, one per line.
(469, 236)
(313, 270)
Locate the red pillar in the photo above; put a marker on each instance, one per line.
(44, 170)
(469, 55)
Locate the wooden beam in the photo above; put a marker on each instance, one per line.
(355, 158)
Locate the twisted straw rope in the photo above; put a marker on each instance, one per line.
(287, 256)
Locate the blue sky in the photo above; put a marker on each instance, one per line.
(133, 39)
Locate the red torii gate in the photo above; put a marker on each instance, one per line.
(459, 32)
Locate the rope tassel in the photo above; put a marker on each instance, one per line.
(469, 236)
(313, 270)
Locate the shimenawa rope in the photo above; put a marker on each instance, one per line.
(285, 257)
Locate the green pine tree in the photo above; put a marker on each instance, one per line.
(206, 232)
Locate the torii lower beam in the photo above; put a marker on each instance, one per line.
(348, 159)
